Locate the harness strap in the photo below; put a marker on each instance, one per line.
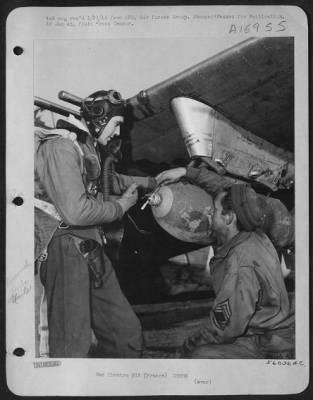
(48, 208)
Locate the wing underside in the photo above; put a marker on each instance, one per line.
(251, 84)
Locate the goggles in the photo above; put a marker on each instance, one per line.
(95, 106)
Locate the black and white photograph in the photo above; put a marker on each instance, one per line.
(163, 200)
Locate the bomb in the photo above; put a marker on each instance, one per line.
(184, 211)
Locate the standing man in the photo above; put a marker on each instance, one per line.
(80, 284)
(250, 317)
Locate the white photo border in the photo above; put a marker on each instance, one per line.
(27, 375)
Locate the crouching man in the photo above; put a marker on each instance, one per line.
(250, 317)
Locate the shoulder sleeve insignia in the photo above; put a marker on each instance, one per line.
(222, 314)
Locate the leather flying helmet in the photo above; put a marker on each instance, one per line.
(98, 108)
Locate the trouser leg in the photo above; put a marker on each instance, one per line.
(243, 348)
(114, 322)
(66, 281)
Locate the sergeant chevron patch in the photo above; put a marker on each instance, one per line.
(221, 314)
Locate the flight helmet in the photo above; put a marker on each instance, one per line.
(98, 108)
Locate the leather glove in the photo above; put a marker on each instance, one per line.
(129, 198)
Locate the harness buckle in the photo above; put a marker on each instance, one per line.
(43, 256)
(63, 225)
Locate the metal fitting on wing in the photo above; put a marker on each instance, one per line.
(257, 172)
(143, 96)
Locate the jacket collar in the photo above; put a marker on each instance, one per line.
(42, 134)
(240, 237)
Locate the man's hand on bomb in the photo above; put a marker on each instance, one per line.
(170, 176)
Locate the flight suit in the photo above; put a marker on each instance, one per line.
(74, 306)
(250, 316)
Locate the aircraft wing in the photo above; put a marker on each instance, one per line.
(251, 84)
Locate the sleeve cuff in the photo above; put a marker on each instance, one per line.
(192, 173)
(118, 210)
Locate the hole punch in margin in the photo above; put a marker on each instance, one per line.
(19, 352)
(18, 50)
(18, 201)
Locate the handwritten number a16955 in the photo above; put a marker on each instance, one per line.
(258, 27)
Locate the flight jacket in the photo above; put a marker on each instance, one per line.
(59, 180)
